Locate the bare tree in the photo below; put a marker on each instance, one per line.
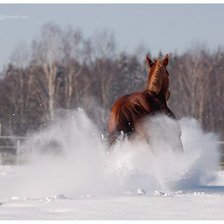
(48, 52)
(73, 50)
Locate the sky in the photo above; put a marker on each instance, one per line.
(163, 27)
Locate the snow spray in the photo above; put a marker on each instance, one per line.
(71, 158)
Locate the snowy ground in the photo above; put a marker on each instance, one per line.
(64, 172)
(206, 202)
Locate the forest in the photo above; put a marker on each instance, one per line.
(63, 70)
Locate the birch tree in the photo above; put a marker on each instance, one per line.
(47, 52)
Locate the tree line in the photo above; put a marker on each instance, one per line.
(63, 70)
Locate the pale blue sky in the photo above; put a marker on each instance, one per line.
(166, 27)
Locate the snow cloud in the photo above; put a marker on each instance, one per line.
(70, 157)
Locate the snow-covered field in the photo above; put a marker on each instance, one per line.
(198, 203)
(65, 172)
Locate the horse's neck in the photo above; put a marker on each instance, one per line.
(160, 96)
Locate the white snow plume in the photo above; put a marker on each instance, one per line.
(161, 163)
(70, 158)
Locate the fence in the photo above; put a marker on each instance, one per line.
(10, 149)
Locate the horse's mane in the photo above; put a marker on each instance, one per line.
(156, 77)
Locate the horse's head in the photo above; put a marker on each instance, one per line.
(158, 77)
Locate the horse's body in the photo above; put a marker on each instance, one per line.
(129, 111)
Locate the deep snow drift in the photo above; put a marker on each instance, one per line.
(71, 159)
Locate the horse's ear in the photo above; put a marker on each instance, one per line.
(148, 60)
(166, 60)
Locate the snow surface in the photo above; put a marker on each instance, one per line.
(203, 203)
(66, 172)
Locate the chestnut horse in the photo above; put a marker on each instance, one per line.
(129, 110)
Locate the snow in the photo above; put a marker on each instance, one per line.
(65, 172)
(201, 204)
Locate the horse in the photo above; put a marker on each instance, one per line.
(129, 111)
